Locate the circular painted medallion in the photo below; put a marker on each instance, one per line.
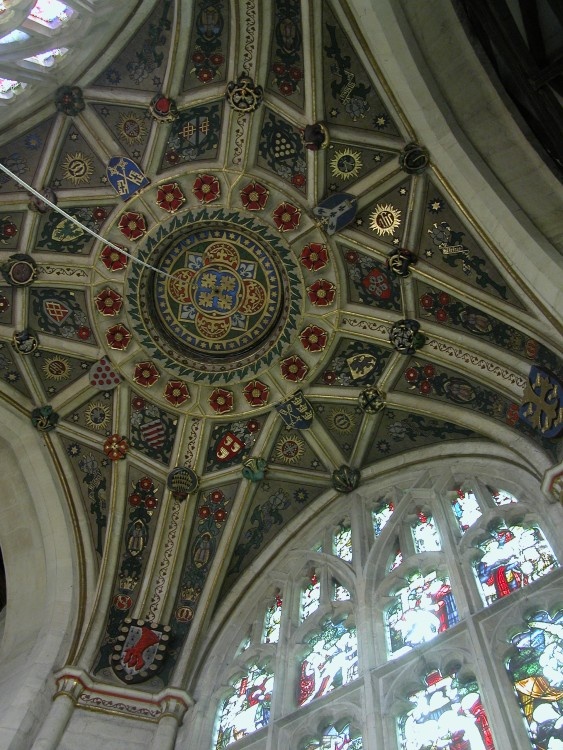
(223, 294)
(225, 301)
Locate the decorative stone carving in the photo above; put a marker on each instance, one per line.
(243, 95)
(254, 469)
(345, 478)
(44, 419)
(400, 261)
(414, 159)
(69, 100)
(316, 137)
(371, 400)
(182, 481)
(24, 342)
(163, 109)
(406, 337)
(19, 270)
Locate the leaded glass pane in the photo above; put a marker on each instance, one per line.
(513, 557)
(334, 739)
(248, 709)
(536, 670)
(502, 497)
(50, 13)
(339, 592)
(381, 515)
(425, 534)
(310, 598)
(466, 509)
(448, 715)
(14, 36)
(47, 59)
(8, 87)
(423, 608)
(397, 558)
(342, 541)
(331, 661)
(272, 621)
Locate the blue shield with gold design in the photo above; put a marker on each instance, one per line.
(125, 177)
(296, 411)
(336, 212)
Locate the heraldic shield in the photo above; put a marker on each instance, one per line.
(296, 411)
(542, 404)
(125, 177)
(140, 650)
(336, 212)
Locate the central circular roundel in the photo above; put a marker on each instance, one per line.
(229, 299)
(223, 296)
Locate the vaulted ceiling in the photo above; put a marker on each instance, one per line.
(263, 359)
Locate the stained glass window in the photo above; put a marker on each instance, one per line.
(272, 621)
(310, 597)
(8, 88)
(448, 714)
(381, 514)
(331, 661)
(466, 508)
(342, 541)
(513, 557)
(425, 534)
(339, 592)
(333, 738)
(397, 557)
(536, 670)
(47, 59)
(423, 608)
(502, 497)
(14, 36)
(50, 13)
(248, 709)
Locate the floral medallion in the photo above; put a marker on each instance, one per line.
(112, 259)
(176, 392)
(287, 217)
(206, 188)
(118, 337)
(254, 196)
(146, 374)
(221, 400)
(321, 292)
(256, 393)
(293, 368)
(108, 302)
(132, 225)
(170, 197)
(314, 256)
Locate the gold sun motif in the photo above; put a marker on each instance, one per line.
(97, 415)
(341, 421)
(77, 168)
(57, 368)
(385, 219)
(289, 449)
(131, 127)
(346, 164)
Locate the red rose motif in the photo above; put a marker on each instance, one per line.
(116, 447)
(443, 298)
(176, 392)
(256, 393)
(135, 499)
(252, 425)
(99, 214)
(321, 292)
(286, 217)
(278, 68)
(4, 304)
(220, 515)
(146, 374)
(286, 88)
(205, 75)
(84, 333)
(172, 157)
(254, 196)
(204, 511)
(425, 387)
(137, 403)
(145, 483)
(313, 338)
(132, 225)
(170, 197)
(329, 377)
(293, 368)
(441, 315)
(427, 302)
(206, 188)
(151, 502)
(216, 496)
(351, 256)
(198, 58)
(428, 371)
(221, 400)
(411, 375)
(298, 179)
(118, 337)
(108, 302)
(112, 259)
(216, 59)
(314, 256)
(8, 229)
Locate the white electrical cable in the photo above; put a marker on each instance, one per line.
(75, 221)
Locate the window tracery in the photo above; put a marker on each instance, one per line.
(322, 658)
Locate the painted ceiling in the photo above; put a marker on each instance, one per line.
(256, 347)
